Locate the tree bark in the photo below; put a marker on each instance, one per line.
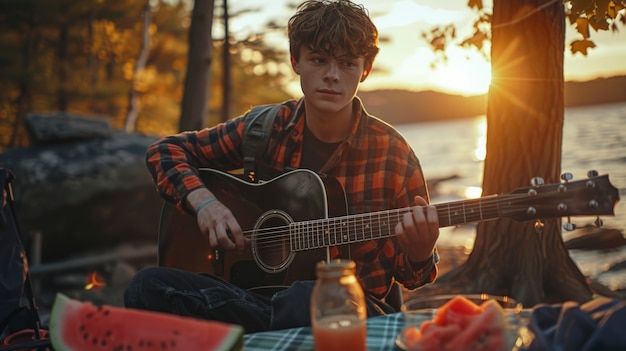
(524, 135)
(140, 64)
(226, 61)
(194, 107)
(62, 57)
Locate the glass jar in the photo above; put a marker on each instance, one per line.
(338, 311)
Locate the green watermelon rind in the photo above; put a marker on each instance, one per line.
(63, 305)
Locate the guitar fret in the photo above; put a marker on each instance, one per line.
(387, 223)
(311, 241)
(297, 237)
(472, 215)
(318, 234)
(366, 227)
(307, 235)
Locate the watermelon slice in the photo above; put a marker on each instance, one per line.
(76, 325)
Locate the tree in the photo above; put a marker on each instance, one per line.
(525, 119)
(194, 107)
(140, 64)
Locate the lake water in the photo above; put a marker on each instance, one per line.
(594, 138)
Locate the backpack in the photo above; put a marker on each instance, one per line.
(257, 129)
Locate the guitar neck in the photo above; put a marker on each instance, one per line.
(320, 233)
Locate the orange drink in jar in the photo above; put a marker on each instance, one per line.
(340, 333)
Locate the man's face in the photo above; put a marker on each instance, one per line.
(329, 83)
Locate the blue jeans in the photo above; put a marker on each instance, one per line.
(204, 296)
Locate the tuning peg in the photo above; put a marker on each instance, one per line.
(569, 226)
(592, 173)
(539, 227)
(567, 177)
(598, 222)
(536, 181)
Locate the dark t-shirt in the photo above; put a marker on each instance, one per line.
(315, 152)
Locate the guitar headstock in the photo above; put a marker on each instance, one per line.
(589, 197)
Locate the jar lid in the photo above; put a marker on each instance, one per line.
(335, 267)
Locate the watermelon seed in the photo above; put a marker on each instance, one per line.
(108, 333)
(163, 345)
(140, 343)
(85, 336)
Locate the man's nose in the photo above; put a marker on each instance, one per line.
(332, 73)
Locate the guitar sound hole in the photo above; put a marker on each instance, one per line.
(271, 247)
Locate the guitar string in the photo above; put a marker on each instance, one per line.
(358, 224)
(274, 236)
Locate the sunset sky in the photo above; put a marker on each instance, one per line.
(407, 59)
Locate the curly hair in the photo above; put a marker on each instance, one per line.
(338, 28)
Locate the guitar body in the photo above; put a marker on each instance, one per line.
(296, 196)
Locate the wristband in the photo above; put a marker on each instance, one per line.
(206, 203)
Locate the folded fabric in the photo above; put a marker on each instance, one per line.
(599, 324)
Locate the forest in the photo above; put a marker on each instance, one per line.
(123, 61)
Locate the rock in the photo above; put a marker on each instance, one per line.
(597, 239)
(47, 128)
(86, 187)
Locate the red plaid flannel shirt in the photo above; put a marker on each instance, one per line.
(375, 165)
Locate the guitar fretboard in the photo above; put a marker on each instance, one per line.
(326, 232)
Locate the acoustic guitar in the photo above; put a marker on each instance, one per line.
(292, 219)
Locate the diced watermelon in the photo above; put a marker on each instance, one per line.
(435, 337)
(462, 325)
(82, 326)
(483, 326)
(455, 310)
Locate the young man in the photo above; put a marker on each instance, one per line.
(333, 44)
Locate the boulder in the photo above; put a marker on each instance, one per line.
(82, 185)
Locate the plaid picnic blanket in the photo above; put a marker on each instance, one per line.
(381, 335)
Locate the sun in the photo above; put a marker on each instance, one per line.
(464, 73)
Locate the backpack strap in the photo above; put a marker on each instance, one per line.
(257, 129)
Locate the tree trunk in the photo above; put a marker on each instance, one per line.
(227, 85)
(140, 64)
(62, 57)
(524, 135)
(194, 107)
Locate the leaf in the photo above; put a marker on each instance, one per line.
(614, 8)
(583, 7)
(582, 26)
(581, 46)
(599, 23)
(603, 7)
(478, 4)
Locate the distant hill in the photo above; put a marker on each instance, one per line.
(404, 106)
